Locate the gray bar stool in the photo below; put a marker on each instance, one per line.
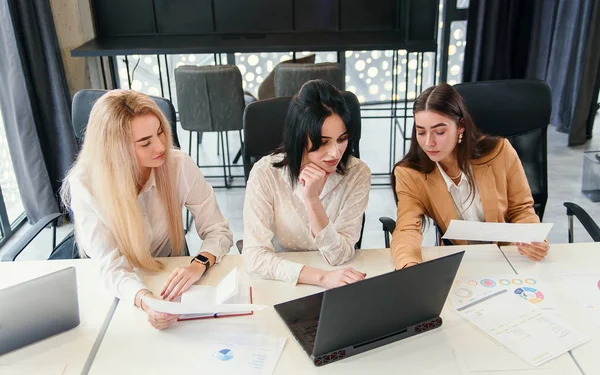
(289, 78)
(211, 99)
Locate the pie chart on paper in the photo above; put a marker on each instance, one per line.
(224, 355)
(530, 294)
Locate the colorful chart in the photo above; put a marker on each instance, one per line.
(517, 281)
(530, 281)
(224, 355)
(504, 282)
(488, 283)
(530, 294)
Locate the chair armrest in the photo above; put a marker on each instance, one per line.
(22, 243)
(388, 224)
(588, 223)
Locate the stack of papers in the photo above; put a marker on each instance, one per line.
(528, 331)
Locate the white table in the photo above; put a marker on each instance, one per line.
(69, 349)
(132, 346)
(565, 258)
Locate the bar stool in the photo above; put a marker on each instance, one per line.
(289, 78)
(211, 99)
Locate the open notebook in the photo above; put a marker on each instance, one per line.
(228, 298)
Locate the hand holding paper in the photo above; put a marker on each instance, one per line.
(497, 232)
(226, 297)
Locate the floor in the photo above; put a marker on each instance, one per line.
(564, 176)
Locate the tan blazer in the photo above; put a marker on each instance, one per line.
(503, 187)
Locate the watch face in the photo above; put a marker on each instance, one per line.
(202, 259)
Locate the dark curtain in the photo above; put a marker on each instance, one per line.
(35, 104)
(553, 40)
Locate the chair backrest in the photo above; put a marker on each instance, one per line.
(520, 111)
(289, 78)
(210, 98)
(84, 100)
(264, 124)
(266, 89)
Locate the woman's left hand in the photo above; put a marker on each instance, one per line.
(535, 251)
(181, 279)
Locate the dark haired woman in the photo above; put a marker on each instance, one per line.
(309, 195)
(452, 171)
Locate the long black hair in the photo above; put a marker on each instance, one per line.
(316, 100)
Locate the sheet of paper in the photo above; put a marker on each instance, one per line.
(32, 369)
(500, 362)
(530, 288)
(227, 288)
(192, 308)
(202, 295)
(586, 289)
(528, 331)
(242, 296)
(239, 353)
(497, 232)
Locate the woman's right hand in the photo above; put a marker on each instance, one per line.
(344, 276)
(157, 319)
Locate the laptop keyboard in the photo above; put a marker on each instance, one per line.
(306, 332)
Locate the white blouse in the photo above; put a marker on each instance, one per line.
(276, 219)
(468, 206)
(194, 192)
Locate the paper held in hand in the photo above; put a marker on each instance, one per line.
(227, 298)
(497, 232)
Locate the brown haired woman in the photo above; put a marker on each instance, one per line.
(452, 171)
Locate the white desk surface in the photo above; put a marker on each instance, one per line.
(565, 258)
(132, 346)
(72, 348)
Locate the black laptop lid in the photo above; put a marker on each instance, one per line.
(385, 304)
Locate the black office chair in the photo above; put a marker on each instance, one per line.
(518, 110)
(84, 100)
(263, 133)
(584, 218)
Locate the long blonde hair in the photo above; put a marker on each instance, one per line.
(108, 166)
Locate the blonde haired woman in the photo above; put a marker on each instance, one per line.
(127, 190)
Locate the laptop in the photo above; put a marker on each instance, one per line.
(37, 309)
(354, 318)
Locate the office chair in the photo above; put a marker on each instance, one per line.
(84, 100)
(584, 218)
(263, 133)
(518, 110)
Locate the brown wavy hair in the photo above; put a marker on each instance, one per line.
(444, 100)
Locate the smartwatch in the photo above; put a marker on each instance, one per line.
(202, 259)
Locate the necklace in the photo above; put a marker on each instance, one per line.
(457, 176)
